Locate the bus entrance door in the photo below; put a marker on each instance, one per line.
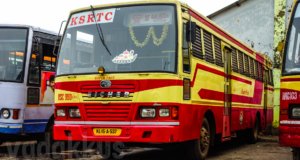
(226, 134)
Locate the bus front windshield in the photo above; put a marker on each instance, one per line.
(124, 39)
(12, 54)
(292, 52)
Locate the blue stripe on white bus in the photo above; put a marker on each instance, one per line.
(34, 128)
(36, 121)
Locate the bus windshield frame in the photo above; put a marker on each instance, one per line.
(13, 57)
(145, 45)
(291, 57)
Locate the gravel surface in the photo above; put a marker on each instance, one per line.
(266, 149)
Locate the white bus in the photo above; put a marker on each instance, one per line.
(27, 68)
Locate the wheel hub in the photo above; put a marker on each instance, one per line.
(205, 139)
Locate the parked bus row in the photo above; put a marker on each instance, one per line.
(158, 72)
(147, 72)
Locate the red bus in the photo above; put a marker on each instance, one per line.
(289, 128)
(158, 72)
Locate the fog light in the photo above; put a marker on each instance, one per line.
(60, 113)
(147, 112)
(296, 112)
(74, 113)
(5, 113)
(164, 112)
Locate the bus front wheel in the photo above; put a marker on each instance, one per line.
(199, 148)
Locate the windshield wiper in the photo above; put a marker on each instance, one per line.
(100, 32)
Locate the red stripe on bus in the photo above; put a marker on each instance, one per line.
(219, 96)
(290, 79)
(142, 84)
(260, 58)
(241, 80)
(217, 72)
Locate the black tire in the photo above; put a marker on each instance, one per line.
(253, 132)
(296, 154)
(198, 149)
(48, 137)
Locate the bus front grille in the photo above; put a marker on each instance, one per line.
(96, 112)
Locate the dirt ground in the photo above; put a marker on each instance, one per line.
(266, 149)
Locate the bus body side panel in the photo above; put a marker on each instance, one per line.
(247, 93)
(37, 117)
(289, 129)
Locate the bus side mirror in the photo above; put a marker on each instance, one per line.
(191, 32)
(58, 38)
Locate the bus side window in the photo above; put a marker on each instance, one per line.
(185, 51)
(259, 71)
(246, 67)
(256, 70)
(252, 72)
(197, 49)
(49, 59)
(34, 68)
(271, 77)
(234, 56)
(42, 59)
(241, 62)
(218, 52)
(265, 75)
(208, 47)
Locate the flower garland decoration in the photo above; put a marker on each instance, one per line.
(156, 41)
(164, 34)
(134, 39)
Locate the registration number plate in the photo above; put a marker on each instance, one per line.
(107, 131)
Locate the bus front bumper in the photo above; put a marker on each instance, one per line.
(289, 135)
(129, 133)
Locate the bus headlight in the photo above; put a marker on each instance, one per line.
(296, 112)
(5, 113)
(147, 112)
(60, 113)
(164, 112)
(74, 113)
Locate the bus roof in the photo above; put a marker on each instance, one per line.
(37, 29)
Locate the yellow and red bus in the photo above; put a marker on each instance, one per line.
(157, 72)
(289, 128)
